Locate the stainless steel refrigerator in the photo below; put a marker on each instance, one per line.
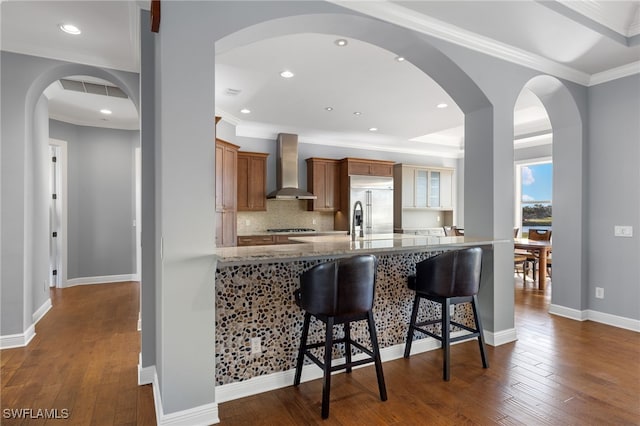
(376, 195)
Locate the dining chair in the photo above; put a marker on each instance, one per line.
(537, 235)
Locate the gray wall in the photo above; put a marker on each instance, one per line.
(38, 201)
(101, 199)
(614, 178)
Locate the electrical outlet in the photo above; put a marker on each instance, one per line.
(599, 293)
(623, 231)
(438, 218)
(256, 346)
(313, 222)
(247, 222)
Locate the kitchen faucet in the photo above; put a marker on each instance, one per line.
(357, 220)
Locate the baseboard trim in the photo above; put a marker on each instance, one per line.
(282, 379)
(202, 415)
(18, 340)
(41, 311)
(102, 279)
(570, 313)
(501, 337)
(614, 320)
(145, 374)
(596, 316)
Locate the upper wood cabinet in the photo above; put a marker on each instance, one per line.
(323, 181)
(226, 188)
(363, 167)
(252, 181)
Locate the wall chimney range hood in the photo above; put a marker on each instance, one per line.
(287, 170)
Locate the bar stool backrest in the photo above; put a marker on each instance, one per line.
(345, 286)
(450, 274)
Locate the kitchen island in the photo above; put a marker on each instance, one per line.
(254, 299)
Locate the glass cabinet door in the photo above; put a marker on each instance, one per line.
(434, 189)
(421, 188)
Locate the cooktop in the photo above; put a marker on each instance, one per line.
(291, 230)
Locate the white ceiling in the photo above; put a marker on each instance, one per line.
(583, 41)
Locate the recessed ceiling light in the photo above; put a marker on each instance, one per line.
(400, 58)
(341, 42)
(373, 129)
(106, 111)
(442, 105)
(357, 113)
(328, 108)
(69, 29)
(286, 74)
(245, 111)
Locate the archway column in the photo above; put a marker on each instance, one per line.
(488, 212)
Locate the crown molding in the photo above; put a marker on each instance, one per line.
(593, 10)
(399, 15)
(228, 117)
(615, 73)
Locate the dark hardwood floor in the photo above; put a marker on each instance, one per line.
(83, 359)
(559, 372)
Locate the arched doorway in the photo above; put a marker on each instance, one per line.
(569, 221)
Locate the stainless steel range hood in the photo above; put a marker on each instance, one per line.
(287, 170)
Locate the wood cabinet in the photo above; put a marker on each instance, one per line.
(256, 240)
(262, 240)
(252, 181)
(364, 167)
(323, 181)
(359, 167)
(226, 188)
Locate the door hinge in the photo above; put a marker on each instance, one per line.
(54, 159)
(55, 272)
(55, 234)
(55, 196)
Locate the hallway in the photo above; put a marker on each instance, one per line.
(83, 359)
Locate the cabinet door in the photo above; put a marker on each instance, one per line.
(422, 185)
(229, 183)
(252, 186)
(219, 176)
(446, 189)
(408, 187)
(434, 189)
(358, 168)
(323, 180)
(257, 183)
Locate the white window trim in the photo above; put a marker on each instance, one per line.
(518, 180)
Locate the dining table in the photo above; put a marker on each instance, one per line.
(542, 249)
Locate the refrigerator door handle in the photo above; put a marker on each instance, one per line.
(368, 210)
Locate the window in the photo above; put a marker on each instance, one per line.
(534, 188)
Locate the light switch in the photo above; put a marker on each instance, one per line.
(623, 231)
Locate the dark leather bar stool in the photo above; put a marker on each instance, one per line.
(449, 278)
(339, 292)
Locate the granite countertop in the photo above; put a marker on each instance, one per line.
(331, 246)
(308, 233)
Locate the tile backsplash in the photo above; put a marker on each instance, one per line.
(284, 214)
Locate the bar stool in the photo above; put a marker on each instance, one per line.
(339, 292)
(449, 278)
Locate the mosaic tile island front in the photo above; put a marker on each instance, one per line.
(254, 289)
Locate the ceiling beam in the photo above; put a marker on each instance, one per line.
(155, 16)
